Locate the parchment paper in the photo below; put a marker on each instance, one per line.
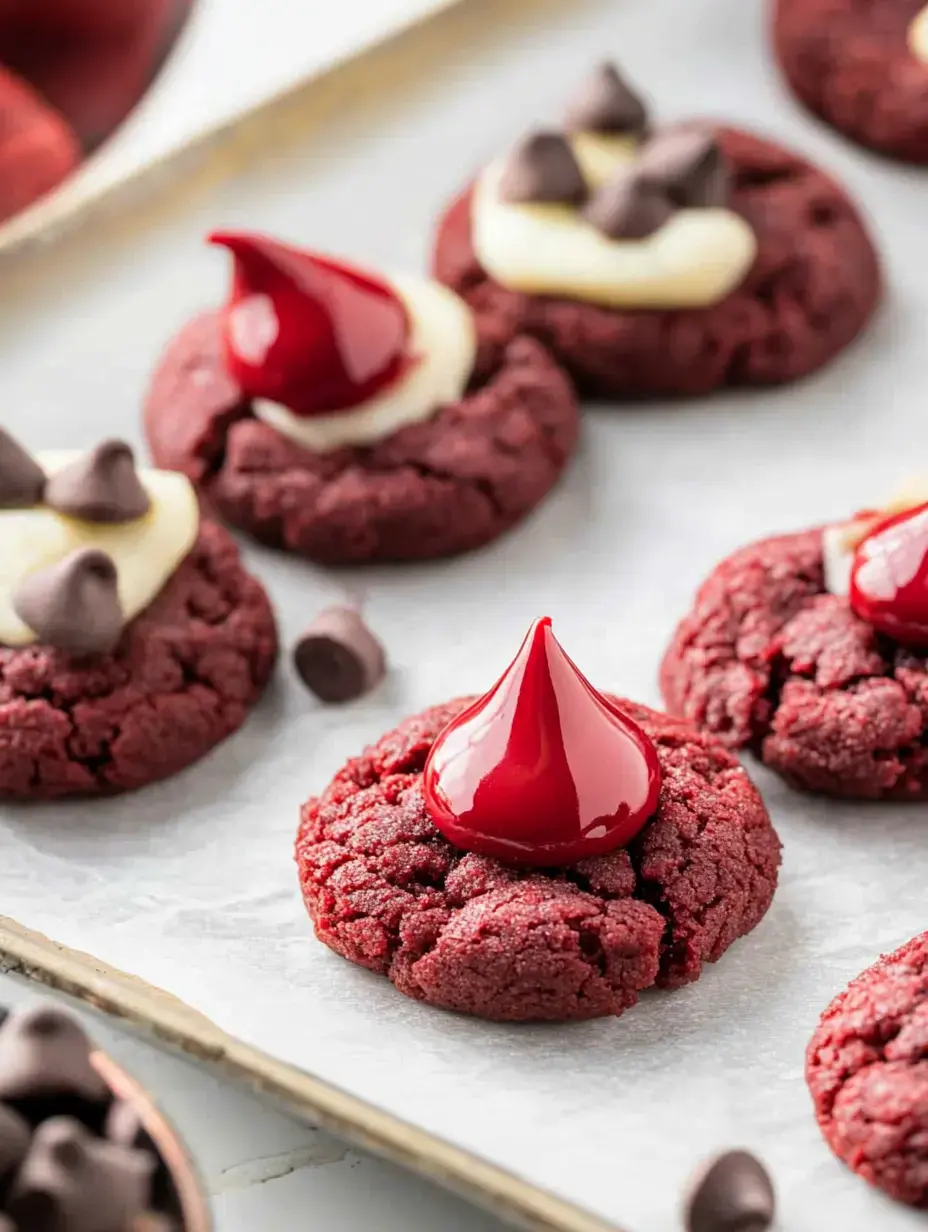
(190, 884)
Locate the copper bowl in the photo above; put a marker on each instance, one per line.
(178, 1187)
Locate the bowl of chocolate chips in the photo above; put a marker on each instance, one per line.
(82, 1146)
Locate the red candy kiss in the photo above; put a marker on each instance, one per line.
(307, 332)
(542, 770)
(889, 577)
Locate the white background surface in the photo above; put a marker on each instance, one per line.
(262, 1171)
(191, 885)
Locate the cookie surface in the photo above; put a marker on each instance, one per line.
(867, 1072)
(849, 61)
(814, 285)
(38, 148)
(466, 933)
(183, 677)
(767, 660)
(451, 483)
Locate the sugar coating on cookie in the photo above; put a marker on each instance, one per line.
(813, 285)
(769, 660)
(862, 67)
(465, 932)
(867, 1073)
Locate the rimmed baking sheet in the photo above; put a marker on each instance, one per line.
(190, 886)
(230, 60)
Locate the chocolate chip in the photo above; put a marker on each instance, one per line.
(73, 1182)
(45, 1052)
(123, 1125)
(14, 1139)
(101, 486)
(73, 605)
(689, 165)
(605, 104)
(338, 657)
(732, 1194)
(22, 480)
(628, 208)
(542, 168)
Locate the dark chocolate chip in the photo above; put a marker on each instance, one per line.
(22, 480)
(542, 168)
(338, 657)
(605, 104)
(732, 1194)
(688, 163)
(73, 605)
(45, 1052)
(123, 1125)
(73, 1182)
(14, 1139)
(101, 486)
(628, 208)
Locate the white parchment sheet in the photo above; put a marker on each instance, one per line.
(190, 885)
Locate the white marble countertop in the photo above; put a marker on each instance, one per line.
(262, 1169)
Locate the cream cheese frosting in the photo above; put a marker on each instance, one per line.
(918, 36)
(443, 342)
(145, 551)
(695, 259)
(841, 540)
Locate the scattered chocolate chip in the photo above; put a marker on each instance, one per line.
(628, 208)
(688, 163)
(74, 1181)
(542, 168)
(605, 104)
(732, 1194)
(123, 1125)
(22, 480)
(101, 486)
(45, 1052)
(73, 605)
(14, 1139)
(338, 657)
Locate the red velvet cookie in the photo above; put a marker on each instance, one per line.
(814, 284)
(469, 933)
(38, 149)
(454, 480)
(182, 678)
(770, 661)
(850, 62)
(867, 1071)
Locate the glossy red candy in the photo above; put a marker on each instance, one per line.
(542, 770)
(889, 577)
(307, 332)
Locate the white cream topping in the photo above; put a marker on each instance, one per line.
(918, 37)
(146, 551)
(696, 258)
(443, 342)
(840, 541)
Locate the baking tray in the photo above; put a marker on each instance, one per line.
(189, 886)
(266, 51)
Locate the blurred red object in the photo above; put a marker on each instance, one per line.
(91, 61)
(38, 148)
